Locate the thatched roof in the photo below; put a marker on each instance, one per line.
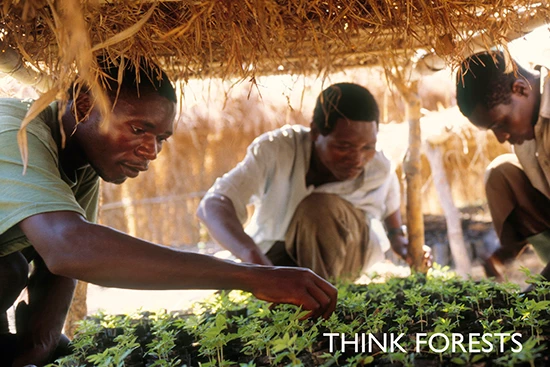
(200, 38)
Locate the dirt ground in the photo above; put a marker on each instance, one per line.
(480, 240)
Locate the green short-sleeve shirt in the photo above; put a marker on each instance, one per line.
(45, 187)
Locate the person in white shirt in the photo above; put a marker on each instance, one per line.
(320, 194)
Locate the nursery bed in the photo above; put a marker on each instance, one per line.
(488, 324)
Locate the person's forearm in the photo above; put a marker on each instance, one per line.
(74, 248)
(149, 266)
(101, 255)
(397, 239)
(219, 216)
(393, 221)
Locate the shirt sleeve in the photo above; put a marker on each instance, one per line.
(41, 189)
(249, 180)
(87, 193)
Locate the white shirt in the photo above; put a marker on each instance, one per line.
(534, 155)
(272, 177)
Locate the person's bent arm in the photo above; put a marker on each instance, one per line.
(399, 241)
(219, 216)
(72, 247)
(397, 237)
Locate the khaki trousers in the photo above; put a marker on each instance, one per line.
(328, 235)
(518, 209)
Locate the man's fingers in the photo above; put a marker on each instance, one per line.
(305, 289)
(322, 300)
(330, 309)
(332, 293)
(312, 305)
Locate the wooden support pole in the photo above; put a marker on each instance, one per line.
(412, 167)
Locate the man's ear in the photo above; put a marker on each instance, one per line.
(82, 107)
(314, 131)
(522, 87)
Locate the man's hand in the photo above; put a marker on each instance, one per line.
(400, 245)
(297, 286)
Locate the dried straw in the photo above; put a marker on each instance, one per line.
(203, 38)
(252, 37)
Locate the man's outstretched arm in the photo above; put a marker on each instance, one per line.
(219, 216)
(74, 248)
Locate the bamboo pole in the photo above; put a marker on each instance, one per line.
(12, 63)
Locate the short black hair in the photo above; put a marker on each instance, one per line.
(483, 79)
(344, 100)
(148, 77)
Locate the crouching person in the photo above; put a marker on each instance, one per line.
(516, 107)
(321, 194)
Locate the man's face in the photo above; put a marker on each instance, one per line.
(134, 137)
(512, 122)
(347, 148)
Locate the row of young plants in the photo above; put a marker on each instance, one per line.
(433, 320)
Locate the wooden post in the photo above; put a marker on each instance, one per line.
(412, 167)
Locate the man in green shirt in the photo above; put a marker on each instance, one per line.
(47, 215)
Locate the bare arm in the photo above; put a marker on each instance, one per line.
(72, 247)
(219, 216)
(399, 241)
